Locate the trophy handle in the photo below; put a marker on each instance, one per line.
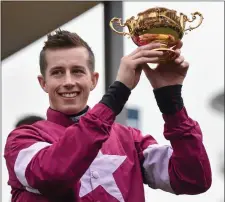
(118, 21)
(193, 19)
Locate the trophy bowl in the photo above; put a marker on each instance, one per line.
(158, 25)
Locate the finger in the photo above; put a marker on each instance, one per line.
(149, 46)
(184, 65)
(176, 55)
(147, 53)
(179, 60)
(177, 52)
(152, 45)
(178, 45)
(143, 60)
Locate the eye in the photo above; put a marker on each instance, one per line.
(77, 71)
(57, 72)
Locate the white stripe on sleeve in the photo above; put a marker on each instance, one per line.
(156, 164)
(23, 159)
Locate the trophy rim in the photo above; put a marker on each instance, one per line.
(161, 9)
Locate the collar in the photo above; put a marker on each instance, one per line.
(63, 119)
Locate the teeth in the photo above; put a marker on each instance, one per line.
(69, 95)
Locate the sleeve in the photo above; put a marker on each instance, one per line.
(183, 167)
(55, 168)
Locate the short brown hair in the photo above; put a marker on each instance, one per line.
(64, 39)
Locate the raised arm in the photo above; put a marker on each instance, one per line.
(181, 167)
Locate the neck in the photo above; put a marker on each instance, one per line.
(75, 117)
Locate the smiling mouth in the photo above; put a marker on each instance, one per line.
(68, 95)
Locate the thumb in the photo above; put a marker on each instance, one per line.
(138, 72)
(139, 69)
(148, 70)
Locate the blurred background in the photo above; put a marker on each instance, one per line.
(24, 29)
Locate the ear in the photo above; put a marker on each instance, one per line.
(94, 80)
(42, 83)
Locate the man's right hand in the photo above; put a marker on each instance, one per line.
(131, 65)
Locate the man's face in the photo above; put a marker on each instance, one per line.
(68, 79)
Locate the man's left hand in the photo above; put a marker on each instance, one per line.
(170, 73)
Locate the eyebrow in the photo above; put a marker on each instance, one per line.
(56, 68)
(73, 67)
(78, 67)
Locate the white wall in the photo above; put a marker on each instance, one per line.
(21, 93)
(204, 50)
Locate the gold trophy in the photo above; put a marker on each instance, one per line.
(157, 25)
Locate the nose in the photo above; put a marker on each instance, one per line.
(69, 81)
